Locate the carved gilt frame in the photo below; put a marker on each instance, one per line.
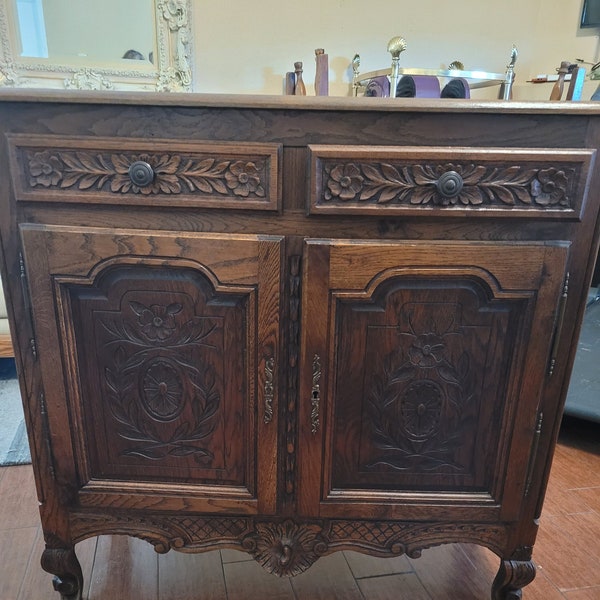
(171, 72)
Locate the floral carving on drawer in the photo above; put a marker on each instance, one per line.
(161, 172)
(392, 180)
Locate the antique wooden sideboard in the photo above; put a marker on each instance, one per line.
(293, 326)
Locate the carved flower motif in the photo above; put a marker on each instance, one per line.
(45, 169)
(243, 179)
(156, 321)
(165, 169)
(550, 187)
(345, 181)
(421, 408)
(426, 351)
(163, 391)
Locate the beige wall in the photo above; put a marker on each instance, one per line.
(246, 47)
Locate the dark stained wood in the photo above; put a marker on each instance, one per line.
(210, 360)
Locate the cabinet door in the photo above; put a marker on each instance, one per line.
(423, 365)
(169, 346)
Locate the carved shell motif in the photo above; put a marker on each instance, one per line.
(285, 549)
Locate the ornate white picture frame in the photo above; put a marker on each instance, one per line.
(171, 71)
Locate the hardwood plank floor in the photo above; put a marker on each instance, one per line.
(567, 553)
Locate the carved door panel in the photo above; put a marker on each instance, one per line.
(422, 369)
(170, 344)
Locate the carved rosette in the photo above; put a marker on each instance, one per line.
(416, 185)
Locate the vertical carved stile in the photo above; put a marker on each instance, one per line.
(559, 323)
(315, 399)
(269, 389)
(293, 342)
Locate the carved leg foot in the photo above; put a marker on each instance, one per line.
(63, 564)
(512, 576)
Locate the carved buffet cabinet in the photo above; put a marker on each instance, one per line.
(293, 326)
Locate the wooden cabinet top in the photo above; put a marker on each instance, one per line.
(308, 103)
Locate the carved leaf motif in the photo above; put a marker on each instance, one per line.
(422, 195)
(385, 183)
(161, 392)
(471, 195)
(387, 194)
(404, 372)
(66, 169)
(372, 174)
(474, 175)
(504, 195)
(423, 175)
(448, 373)
(407, 404)
(391, 173)
(522, 195)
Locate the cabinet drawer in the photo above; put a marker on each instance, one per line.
(406, 180)
(146, 172)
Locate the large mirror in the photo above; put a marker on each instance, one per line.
(108, 45)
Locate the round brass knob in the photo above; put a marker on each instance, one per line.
(141, 173)
(449, 184)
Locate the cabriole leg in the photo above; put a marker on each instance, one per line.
(512, 576)
(63, 564)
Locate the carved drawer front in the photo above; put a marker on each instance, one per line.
(146, 172)
(421, 374)
(169, 342)
(521, 182)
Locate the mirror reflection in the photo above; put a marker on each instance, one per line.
(108, 45)
(57, 29)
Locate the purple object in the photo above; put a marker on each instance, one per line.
(378, 87)
(426, 86)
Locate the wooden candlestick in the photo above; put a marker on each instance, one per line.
(300, 89)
